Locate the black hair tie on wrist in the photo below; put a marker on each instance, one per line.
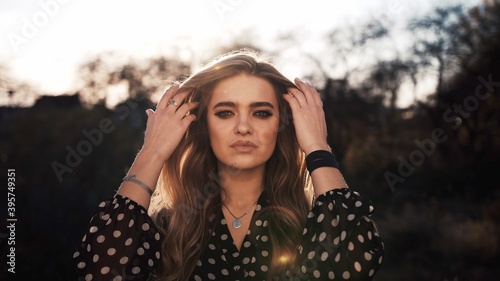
(321, 158)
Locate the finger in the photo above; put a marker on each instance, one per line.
(188, 119)
(316, 97)
(292, 101)
(167, 96)
(298, 95)
(177, 101)
(185, 109)
(310, 93)
(149, 113)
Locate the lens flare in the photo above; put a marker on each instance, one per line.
(284, 259)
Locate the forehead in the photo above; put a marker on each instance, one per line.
(244, 89)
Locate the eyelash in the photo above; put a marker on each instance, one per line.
(266, 113)
(223, 114)
(263, 114)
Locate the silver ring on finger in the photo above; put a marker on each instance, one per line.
(172, 102)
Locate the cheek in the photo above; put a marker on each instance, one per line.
(211, 128)
(214, 131)
(270, 132)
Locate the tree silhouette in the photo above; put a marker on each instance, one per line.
(437, 38)
(386, 78)
(14, 92)
(142, 79)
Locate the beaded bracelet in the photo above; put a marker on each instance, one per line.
(321, 158)
(140, 183)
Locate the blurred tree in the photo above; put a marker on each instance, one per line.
(386, 78)
(441, 48)
(348, 47)
(94, 77)
(142, 80)
(14, 92)
(145, 79)
(471, 104)
(340, 54)
(484, 35)
(437, 42)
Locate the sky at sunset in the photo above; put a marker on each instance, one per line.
(43, 42)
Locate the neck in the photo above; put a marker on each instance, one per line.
(241, 188)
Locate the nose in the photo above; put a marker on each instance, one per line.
(243, 127)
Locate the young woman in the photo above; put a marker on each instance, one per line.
(235, 181)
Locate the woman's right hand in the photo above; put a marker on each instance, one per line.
(167, 125)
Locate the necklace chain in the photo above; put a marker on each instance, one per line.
(237, 222)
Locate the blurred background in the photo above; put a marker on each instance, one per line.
(411, 92)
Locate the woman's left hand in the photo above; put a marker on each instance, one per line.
(308, 117)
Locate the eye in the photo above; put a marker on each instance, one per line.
(263, 114)
(223, 114)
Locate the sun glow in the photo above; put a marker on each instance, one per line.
(46, 41)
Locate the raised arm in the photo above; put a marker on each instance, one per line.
(310, 125)
(165, 129)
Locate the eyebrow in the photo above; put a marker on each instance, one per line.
(253, 104)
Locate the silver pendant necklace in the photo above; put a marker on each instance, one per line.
(237, 222)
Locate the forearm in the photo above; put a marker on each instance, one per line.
(146, 167)
(327, 178)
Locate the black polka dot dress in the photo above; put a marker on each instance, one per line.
(339, 242)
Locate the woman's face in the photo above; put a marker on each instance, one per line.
(243, 121)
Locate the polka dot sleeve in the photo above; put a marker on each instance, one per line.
(340, 241)
(122, 243)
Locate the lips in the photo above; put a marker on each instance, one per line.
(243, 146)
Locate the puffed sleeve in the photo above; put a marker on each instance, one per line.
(340, 241)
(121, 243)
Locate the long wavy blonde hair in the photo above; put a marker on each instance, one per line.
(189, 189)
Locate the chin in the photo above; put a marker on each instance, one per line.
(242, 165)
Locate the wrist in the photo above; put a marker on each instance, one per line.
(315, 147)
(152, 156)
(321, 158)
